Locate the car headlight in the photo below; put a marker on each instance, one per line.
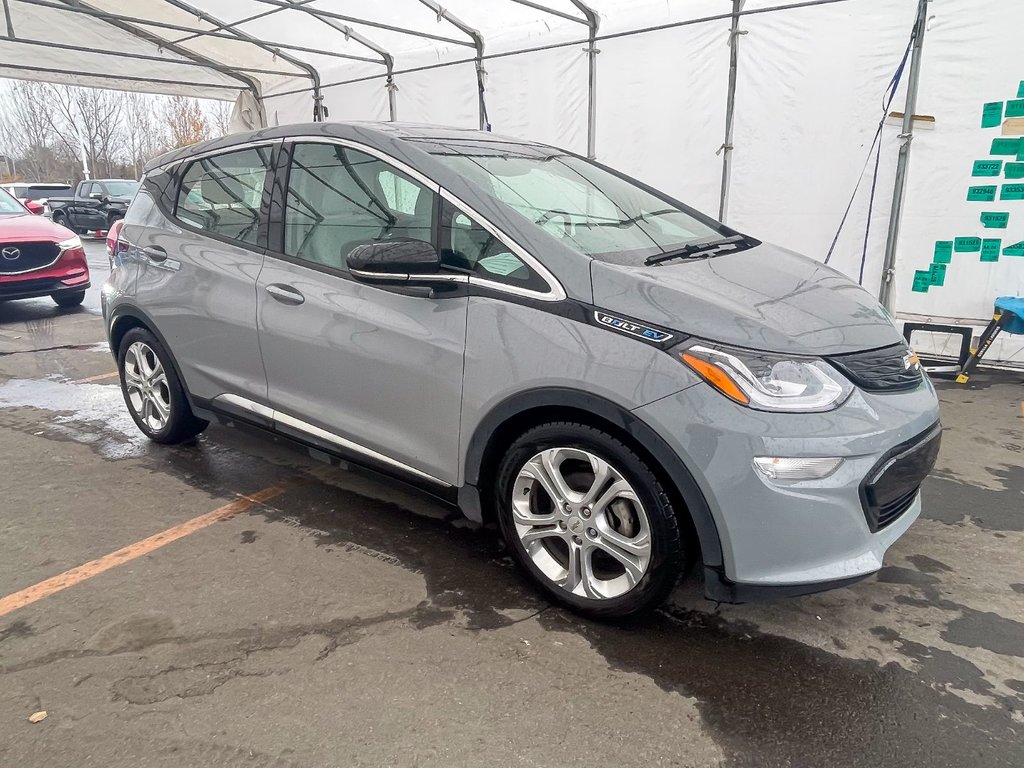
(71, 242)
(769, 381)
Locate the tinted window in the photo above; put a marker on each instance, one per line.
(121, 188)
(467, 245)
(588, 208)
(8, 204)
(222, 194)
(339, 198)
(43, 191)
(86, 190)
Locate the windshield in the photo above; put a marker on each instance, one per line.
(590, 209)
(121, 188)
(9, 205)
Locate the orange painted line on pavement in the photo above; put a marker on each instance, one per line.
(97, 377)
(80, 573)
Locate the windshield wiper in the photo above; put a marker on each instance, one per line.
(699, 249)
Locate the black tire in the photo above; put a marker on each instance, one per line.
(667, 553)
(62, 219)
(181, 424)
(68, 299)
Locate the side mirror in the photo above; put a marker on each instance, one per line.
(397, 261)
(96, 195)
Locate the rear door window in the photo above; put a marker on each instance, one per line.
(339, 198)
(222, 194)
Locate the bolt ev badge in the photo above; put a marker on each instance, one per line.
(633, 329)
(11, 254)
(911, 361)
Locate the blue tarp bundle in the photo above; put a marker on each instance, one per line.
(1015, 306)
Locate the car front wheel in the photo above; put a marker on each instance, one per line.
(68, 298)
(589, 520)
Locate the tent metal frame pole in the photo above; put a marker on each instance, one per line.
(350, 34)
(886, 294)
(545, 9)
(246, 20)
(593, 23)
(7, 18)
(730, 108)
(478, 44)
(318, 98)
(370, 23)
(80, 7)
(143, 56)
(122, 78)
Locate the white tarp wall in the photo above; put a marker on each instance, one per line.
(809, 99)
(811, 79)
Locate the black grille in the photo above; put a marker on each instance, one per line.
(22, 257)
(890, 512)
(880, 370)
(892, 486)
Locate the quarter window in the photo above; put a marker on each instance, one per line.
(467, 246)
(222, 194)
(339, 198)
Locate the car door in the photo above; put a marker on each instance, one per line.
(198, 269)
(76, 208)
(92, 209)
(377, 371)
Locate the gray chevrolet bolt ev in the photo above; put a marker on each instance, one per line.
(624, 385)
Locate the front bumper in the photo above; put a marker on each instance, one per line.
(789, 538)
(41, 286)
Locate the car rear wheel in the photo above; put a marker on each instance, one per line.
(152, 390)
(68, 298)
(588, 520)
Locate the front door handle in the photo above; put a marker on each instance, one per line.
(285, 294)
(155, 253)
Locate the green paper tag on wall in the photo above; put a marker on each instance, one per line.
(1005, 147)
(1012, 192)
(922, 280)
(938, 274)
(1015, 170)
(1017, 249)
(967, 244)
(987, 167)
(990, 250)
(1015, 108)
(1020, 90)
(984, 194)
(943, 251)
(992, 114)
(995, 220)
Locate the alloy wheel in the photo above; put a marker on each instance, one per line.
(581, 523)
(146, 383)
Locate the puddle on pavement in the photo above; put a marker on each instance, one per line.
(94, 414)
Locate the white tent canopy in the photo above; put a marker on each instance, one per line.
(764, 112)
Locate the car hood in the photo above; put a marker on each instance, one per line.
(28, 226)
(765, 298)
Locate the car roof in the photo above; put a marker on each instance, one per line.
(379, 134)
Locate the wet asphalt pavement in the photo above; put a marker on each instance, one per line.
(351, 622)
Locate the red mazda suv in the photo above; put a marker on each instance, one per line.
(39, 258)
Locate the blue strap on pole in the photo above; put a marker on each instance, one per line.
(876, 147)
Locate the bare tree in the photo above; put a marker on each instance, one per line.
(27, 133)
(219, 117)
(86, 118)
(142, 132)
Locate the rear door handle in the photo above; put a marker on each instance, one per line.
(285, 294)
(155, 253)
